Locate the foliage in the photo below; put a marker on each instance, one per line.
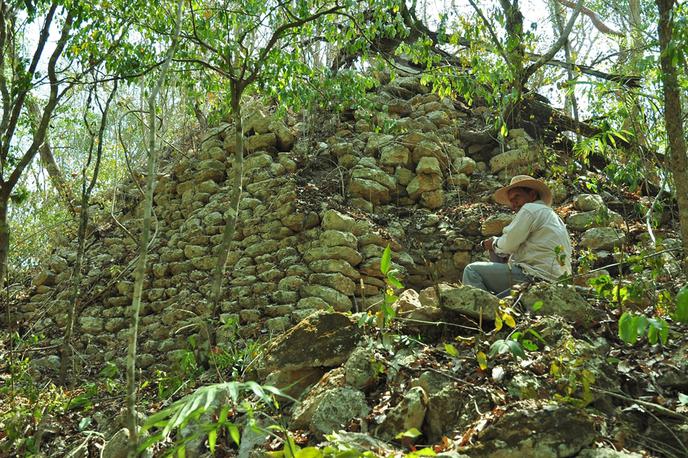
(209, 410)
(387, 312)
(632, 327)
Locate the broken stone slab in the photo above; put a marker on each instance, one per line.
(494, 224)
(445, 407)
(594, 218)
(409, 413)
(561, 300)
(512, 159)
(429, 166)
(335, 299)
(330, 405)
(359, 370)
(329, 336)
(532, 428)
(469, 301)
(602, 238)
(588, 202)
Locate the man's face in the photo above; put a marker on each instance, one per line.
(521, 196)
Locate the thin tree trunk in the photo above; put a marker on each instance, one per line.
(140, 271)
(4, 247)
(48, 160)
(230, 225)
(678, 162)
(86, 190)
(571, 103)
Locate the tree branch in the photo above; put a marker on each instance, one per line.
(556, 46)
(597, 22)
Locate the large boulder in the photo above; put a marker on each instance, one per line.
(536, 429)
(330, 337)
(561, 300)
(602, 238)
(409, 413)
(469, 301)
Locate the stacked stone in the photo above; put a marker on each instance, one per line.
(599, 224)
(520, 156)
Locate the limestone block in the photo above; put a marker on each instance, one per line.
(334, 266)
(45, 277)
(261, 248)
(429, 166)
(347, 254)
(439, 118)
(459, 180)
(595, 218)
(255, 161)
(469, 301)
(464, 165)
(278, 324)
(423, 183)
(403, 176)
(395, 154)
(428, 148)
(284, 137)
(376, 142)
(602, 238)
(204, 263)
(337, 281)
(91, 325)
(338, 301)
(338, 238)
(494, 224)
(371, 190)
(332, 219)
(256, 121)
(193, 251)
(432, 199)
(461, 259)
(588, 202)
(312, 303)
(249, 315)
(512, 158)
(409, 413)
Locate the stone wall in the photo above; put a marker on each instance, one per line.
(314, 219)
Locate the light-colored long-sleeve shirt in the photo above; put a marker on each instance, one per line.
(532, 239)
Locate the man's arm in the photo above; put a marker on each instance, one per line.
(515, 233)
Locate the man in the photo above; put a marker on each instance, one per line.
(536, 243)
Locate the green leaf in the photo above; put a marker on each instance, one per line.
(393, 281)
(451, 350)
(628, 331)
(411, 433)
(529, 345)
(482, 360)
(681, 314)
(309, 452)
(499, 347)
(537, 306)
(386, 261)
(212, 439)
(234, 433)
(516, 348)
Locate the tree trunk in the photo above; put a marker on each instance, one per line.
(48, 160)
(140, 271)
(678, 163)
(4, 247)
(237, 90)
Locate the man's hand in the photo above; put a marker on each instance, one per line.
(487, 244)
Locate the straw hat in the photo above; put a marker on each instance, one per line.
(501, 196)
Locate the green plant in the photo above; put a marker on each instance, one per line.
(634, 326)
(387, 312)
(208, 412)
